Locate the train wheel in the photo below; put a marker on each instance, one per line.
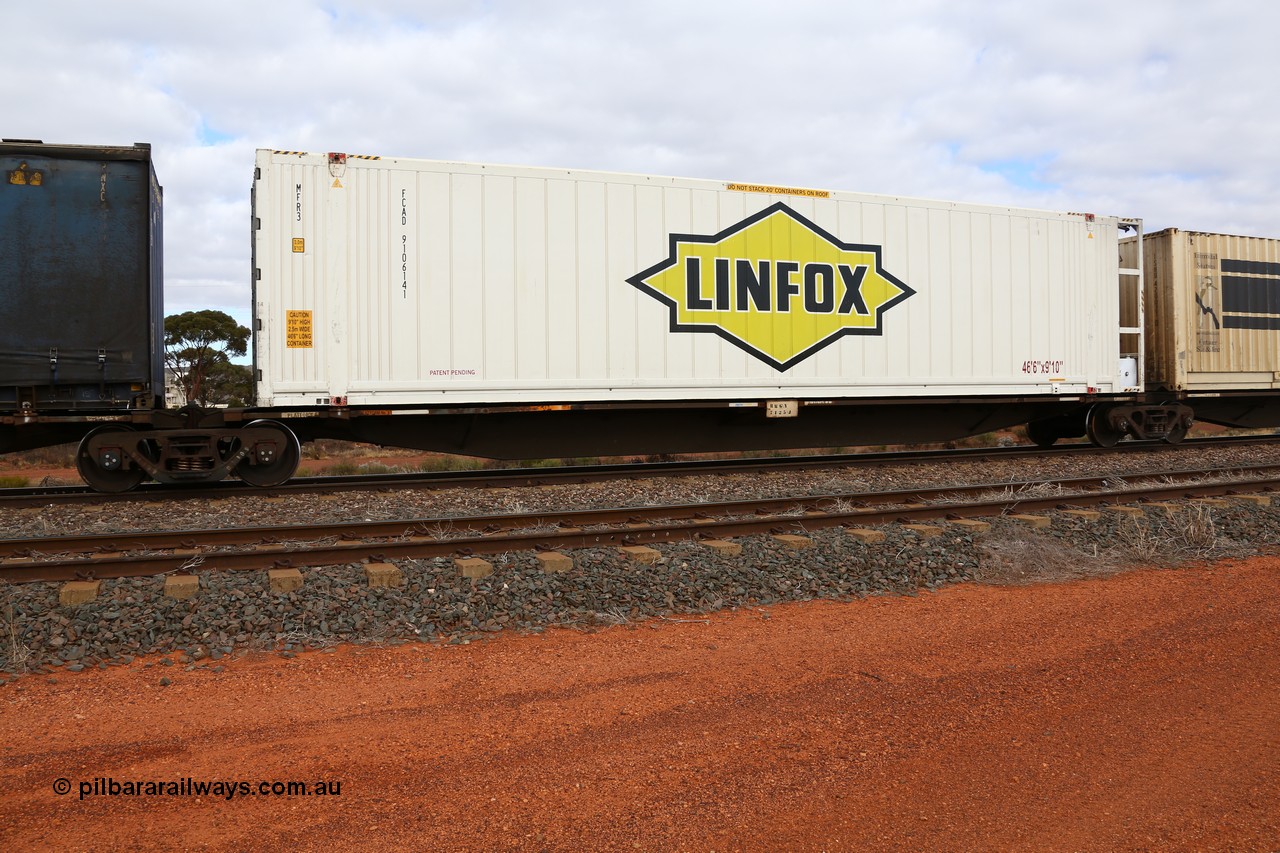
(1176, 434)
(1040, 435)
(1101, 432)
(272, 461)
(103, 465)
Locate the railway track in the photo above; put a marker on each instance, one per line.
(565, 475)
(151, 553)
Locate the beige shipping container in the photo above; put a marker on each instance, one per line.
(1212, 310)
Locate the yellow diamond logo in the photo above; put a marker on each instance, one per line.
(774, 284)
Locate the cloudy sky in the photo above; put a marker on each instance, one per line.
(1163, 110)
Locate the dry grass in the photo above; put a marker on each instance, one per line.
(440, 532)
(299, 638)
(1020, 557)
(15, 652)
(609, 617)
(1193, 537)
(1028, 491)
(839, 506)
(56, 456)
(1029, 557)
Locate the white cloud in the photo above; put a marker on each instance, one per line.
(1156, 109)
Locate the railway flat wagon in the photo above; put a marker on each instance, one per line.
(520, 312)
(715, 315)
(1213, 319)
(82, 326)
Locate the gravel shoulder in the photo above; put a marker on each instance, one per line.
(1137, 711)
(919, 693)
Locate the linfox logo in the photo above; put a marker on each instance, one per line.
(774, 284)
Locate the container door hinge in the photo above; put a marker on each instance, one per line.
(53, 366)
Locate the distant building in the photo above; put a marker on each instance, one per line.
(174, 398)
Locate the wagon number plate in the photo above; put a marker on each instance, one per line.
(782, 409)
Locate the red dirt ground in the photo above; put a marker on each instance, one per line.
(1136, 712)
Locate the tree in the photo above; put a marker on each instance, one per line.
(228, 384)
(198, 342)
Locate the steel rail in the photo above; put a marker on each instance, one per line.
(492, 523)
(577, 474)
(425, 546)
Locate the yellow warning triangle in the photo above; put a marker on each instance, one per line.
(337, 184)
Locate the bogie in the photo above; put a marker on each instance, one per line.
(116, 457)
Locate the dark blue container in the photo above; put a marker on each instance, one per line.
(81, 278)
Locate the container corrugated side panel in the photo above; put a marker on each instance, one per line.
(289, 280)
(1221, 328)
(80, 277)
(435, 282)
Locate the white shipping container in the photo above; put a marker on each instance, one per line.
(410, 282)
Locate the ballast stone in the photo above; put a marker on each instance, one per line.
(1089, 515)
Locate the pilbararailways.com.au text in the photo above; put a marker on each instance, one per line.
(227, 789)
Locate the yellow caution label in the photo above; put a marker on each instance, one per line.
(299, 245)
(21, 177)
(775, 285)
(337, 184)
(768, 190)
(297, 329)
